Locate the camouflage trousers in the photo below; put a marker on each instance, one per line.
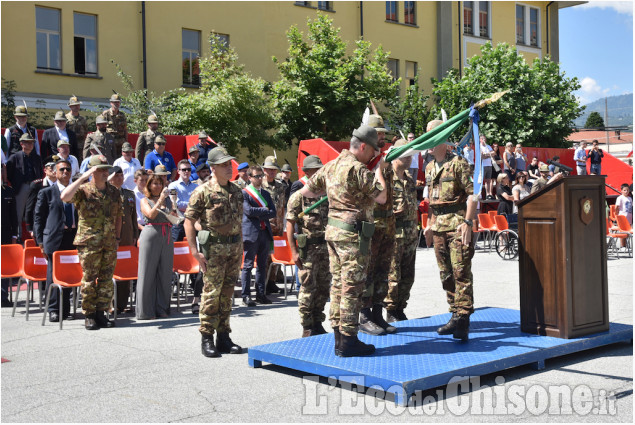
(315, 278)
(455, 267)
(119, 141)
(219, 279)
(402, 272)
(381, 252)
(348, 269)
(98, 264)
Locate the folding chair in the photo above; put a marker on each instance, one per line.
(184, 264)
(424, 224)
(34, 267)
(282, 256)
(67, 273)
(486, 223)
(12, 263)
(127, 268)
(625, 228)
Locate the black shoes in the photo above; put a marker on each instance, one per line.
(458, 326)
(195, 309)
(351, 346)
(262, 299)
(318, 329)
(7, 303)
(225, 345)
(208, 348)
(102, 321)
(89, 322)
(395, 315)
(248, 302)
(367, 325)
(378, 318)
(449, 327)
(338, 341)
(272, 288)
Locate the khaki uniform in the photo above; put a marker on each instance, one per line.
(145, 144)
(96, 243)
(240, 183)
(402, 267)
(79, 125)
(106, 143)
(351, 189)
(382, 247)
(538, 185)
(220, 211)
(118, 126)
(314, 275)
(449, 186)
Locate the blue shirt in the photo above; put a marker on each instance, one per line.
(580, 157)
(194, 175)
(84, 167)
(153, 159)
(183, 192)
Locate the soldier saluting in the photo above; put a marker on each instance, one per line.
(352, 192)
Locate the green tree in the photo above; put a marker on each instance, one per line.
(323, 91)
(411, 113)
(539, 109)
(8, 102)
(594, 120)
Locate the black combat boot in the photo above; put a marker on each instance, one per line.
(449, 327)
(90, 323)
(338, 341)
(318, 329)
(351, 346)
(307, 331)
(400, 314)
(102, 320)
(226, 345)
(207, 346)
(367, 325)
(378, 318)
(462, 329)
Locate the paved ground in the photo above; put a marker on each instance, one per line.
(154, 372)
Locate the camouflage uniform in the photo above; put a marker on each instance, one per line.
(314, 275)
(402, 267)
(277, 192)
(240, 183)
(118, 126)
(382, 247)
(145, 144)
(351, 189)
(79, 125)
(106, 143)
(220, 211)
(449, 186)
(96, 243)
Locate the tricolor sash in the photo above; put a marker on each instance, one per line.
(304, 180)
(256, 195)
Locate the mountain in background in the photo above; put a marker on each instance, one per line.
(620, 110)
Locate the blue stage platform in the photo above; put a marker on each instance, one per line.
(416, 358)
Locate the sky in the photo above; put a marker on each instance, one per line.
(596, 46)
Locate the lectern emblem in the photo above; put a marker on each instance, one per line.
(586, 210)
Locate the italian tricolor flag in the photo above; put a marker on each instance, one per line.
(256, 195)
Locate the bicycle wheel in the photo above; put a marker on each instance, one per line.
(507, 245)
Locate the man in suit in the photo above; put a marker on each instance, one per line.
(54, 228)
(50, 177)
(13, 133)
(59, 132)
(258, 208)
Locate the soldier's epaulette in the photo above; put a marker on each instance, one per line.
(36, 182)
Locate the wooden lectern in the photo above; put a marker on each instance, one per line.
(562, 250)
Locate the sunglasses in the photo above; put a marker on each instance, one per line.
(65, 169)
(259, 176)
(157, 143)
(186, 169)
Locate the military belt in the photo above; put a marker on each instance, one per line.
(402, 224)
(447, 209)
(224, 239)
(382, 213)
(344, 225)
(315, 241)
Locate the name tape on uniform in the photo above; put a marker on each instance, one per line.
(121, 255)
(182, 250)
(69, 259)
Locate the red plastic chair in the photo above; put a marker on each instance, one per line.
(282, 256)
(424, 224)
(486, 223)
(29, 243)
(184, 263)
(492, 214)
(67, 273)
(34, 270)
(127, 268)
(625, 229)
(501, 222)
(12, 263)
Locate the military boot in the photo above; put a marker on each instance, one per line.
(338, 341)
(318, 329)
(90, 323)
(351, 346)
(367, 325)
(462, 329)
(378, 318)
(400, 314)
(207, 346)
(307, 331)
(102, 320)
(391, 316)
(226, 345)
(449, 327)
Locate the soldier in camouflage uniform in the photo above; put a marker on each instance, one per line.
(277, 191)
(242, 181)
(78, 124)
(99, 207)
(102, 139)
(402, 267)
(310, 255)
(352, 191)
(145, 142)
(117, 123)
(381, 251)
(452, 209)
(218, 206)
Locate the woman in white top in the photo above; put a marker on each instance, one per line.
(521, 189)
